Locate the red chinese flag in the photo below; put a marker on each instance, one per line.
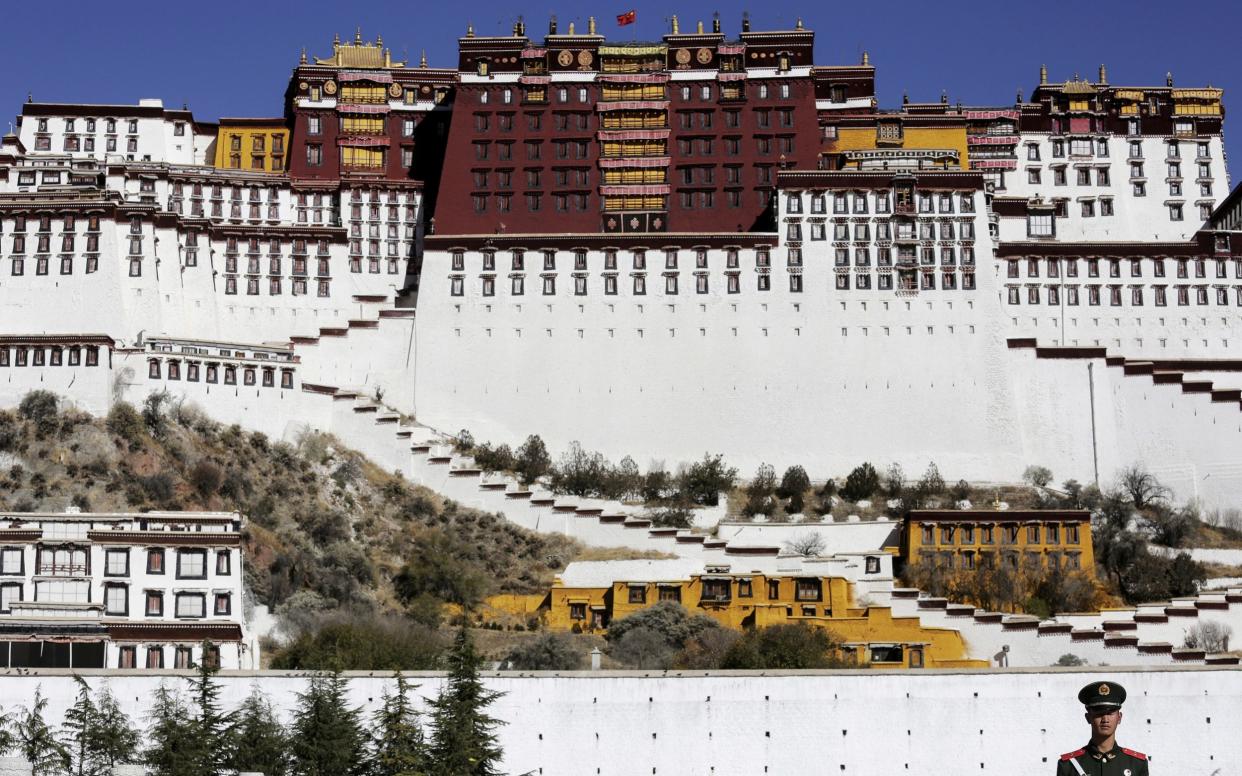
(629, 17)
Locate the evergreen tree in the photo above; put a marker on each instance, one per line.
(100, 736)
(79, 720)
(172, 746)
(399, 749)
(114, 739)
(258, 741)
(463, 735)
(7, 740)
(37, 742)
(327, 737)
(210, 723)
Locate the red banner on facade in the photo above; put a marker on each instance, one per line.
(629, 17)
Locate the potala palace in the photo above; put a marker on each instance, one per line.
(705, 242)
(700, 243)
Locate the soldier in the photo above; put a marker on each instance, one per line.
(1102, 756)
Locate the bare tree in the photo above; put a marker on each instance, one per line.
(1142, 486)
(1039, 476)
(810, 545)
(1209, 636)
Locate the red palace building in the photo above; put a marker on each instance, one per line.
(573, 134)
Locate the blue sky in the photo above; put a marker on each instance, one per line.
(233, 59)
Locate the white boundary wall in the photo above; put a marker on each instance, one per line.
(862, 722)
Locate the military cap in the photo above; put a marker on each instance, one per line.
(1102, 694)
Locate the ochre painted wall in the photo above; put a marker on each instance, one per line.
(253, 148)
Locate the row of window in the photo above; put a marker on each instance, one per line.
(884, 230)
(905, 280)
(967, 534)
(1082, 146)
(968, 560)
(74, 143)
(91, 125)
(1053, 295)
(73, 560)
(186, 605)
(1053, 267)
(610, 92)
(156, 369)
(638, 259)
(275, 286)
(54, 355)
(858, 202)
(69, 223)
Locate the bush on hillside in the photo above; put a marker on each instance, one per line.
(861, 483)
(42, 409)
(362, 644)
(795, 646)
(546, 652)
(793, 488)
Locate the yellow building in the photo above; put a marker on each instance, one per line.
(970, 539)
(254, 145)
(919, 137)
(598, 593)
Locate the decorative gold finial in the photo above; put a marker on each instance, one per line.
(590, 25)
(358, 37)
(798, 24)
(336, 40)
(1103, 75)
(302, 61)
(700, 27)
(422, 60)
(469, 29)
(1168, 78)
(379, 41)
(571, 28)
(1043, 74)
(866, 59)
(716, 22)
(676, 29)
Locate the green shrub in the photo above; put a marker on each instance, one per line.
(547, 652)
(861, 483)
(362, 644)
(796, 646)
(703, 481)
(125, 422)
(42, 408)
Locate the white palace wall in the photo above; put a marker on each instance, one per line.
(875, 723)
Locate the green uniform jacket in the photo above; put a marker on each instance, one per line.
(1118, 761)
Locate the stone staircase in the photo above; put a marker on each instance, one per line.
(1219, 380)
(427, 457)
(1147, 634)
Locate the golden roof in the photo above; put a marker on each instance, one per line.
(360, 54)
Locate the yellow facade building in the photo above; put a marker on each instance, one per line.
(969, 539)
(254, 145)
(918, 137)
(756, 600)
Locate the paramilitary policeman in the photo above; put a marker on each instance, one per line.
(1102, 756)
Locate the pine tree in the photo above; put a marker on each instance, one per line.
(398, 747)
(7, 739)
(113, 738)
(37, 742)
(258, 741)
(463, 734)
(172, 748)
(211, 724)
(327, 737)
(79, 722)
